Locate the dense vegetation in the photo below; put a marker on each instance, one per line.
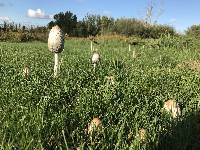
(90, 25)
(20, 33)
(43, 112)
(96, 24)
(194, 31)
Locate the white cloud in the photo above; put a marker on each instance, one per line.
(4, 18)
(38, 13)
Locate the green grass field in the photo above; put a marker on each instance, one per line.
(43, 112)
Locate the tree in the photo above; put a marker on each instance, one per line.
(194, 30)
(51, 24)
(153, 11)
(66, 21)
(128, 27)
(81, 29)
(23, 28)
(93, 24)
(106, 23)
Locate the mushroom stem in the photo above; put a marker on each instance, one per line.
(134, 55)
(129, 47)
(56, 65)
(94, 66)
(91, 46)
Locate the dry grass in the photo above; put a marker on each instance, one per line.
(111, 37)
(194, 65)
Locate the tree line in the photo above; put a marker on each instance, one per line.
(101, 25)
(20, 33)
(90, 25)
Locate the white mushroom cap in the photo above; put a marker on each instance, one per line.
(141, 135)
(94, 125)
(56, 40)
(26, 71)
(95, 57)
(172, 107)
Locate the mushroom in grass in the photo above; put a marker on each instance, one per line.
(56, 45)
(26, 71)
(141, 135)
(95, 58)
(94, 125)
(172, 107)
(110, 79)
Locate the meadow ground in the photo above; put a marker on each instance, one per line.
(43, 112)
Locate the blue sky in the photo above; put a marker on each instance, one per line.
(178, 13)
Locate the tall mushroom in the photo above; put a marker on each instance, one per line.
(95, 58)
(56, 45)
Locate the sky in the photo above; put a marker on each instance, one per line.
(180, 14)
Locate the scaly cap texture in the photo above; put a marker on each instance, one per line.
(56, 40)
(95, 57)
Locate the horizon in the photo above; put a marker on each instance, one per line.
(35, 12)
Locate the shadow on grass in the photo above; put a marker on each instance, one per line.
(182, 135)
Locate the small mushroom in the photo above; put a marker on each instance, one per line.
(94, 125)
(172, 107)
(111, 79)
(26, 71)
(141, 135)
(56, 45)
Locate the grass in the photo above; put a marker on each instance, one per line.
(42, 112)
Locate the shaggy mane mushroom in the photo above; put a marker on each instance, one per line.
(56, 45)
(95, 58)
